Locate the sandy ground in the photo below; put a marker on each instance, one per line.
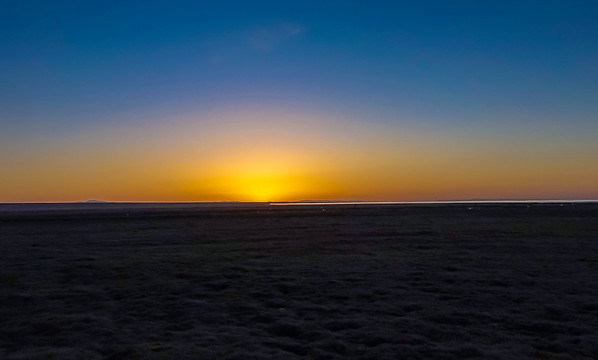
(263, 282)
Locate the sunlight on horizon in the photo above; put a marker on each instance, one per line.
(277, 154)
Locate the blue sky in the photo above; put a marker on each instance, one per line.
(479, 68)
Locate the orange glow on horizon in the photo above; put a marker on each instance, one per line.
(278, 156)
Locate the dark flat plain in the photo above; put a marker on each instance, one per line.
(255, 281)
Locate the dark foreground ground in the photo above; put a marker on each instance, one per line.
(291, 282)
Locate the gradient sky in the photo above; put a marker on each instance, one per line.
(289, 100)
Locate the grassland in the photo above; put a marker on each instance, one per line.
(508, 281)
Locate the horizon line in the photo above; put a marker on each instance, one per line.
(309, 202)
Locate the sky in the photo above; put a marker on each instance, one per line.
(294, 100)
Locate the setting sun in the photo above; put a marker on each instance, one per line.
(258, 175)
(263, 187)
(270, 185)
